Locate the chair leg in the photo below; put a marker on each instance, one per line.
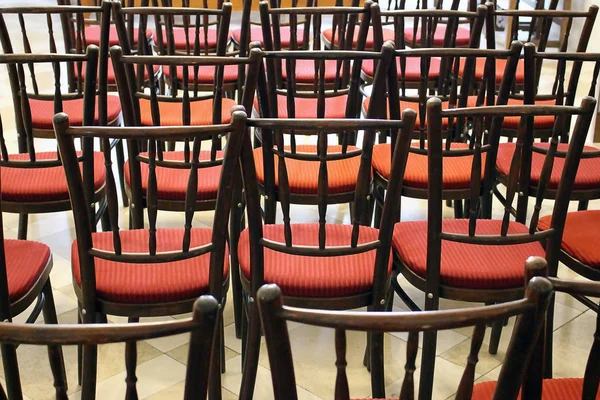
(214, 388)
(458, 209)
(121, 169)
(549, 350)
(252, 353)
(89, 371)
(79, 351)
(583, 205)
(495, 337)
(270, 210)
(105, 221)
(244, 327)
(23, 221)
(55, 353)
(130, 365)
(11, 371)
(427, 365)
(377, 368)
(235, 226)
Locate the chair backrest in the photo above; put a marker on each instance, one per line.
(275, 315)
(201, 326)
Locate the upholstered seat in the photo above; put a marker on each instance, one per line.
(171, 112)
(388, 34)
(552, 389)
(181, 42)
(314, 276)
(92, 35)
(463, 36)
(42, 111)
(540, 122)
(111, 79)
(38, 185)
(305, 71)
(150, 283)
(335, 107)
(464, 265)
(206, 74)
(413, 105)
(412, 71)
(500, 66)
(256, 35)
(25, 262)
(303, 176)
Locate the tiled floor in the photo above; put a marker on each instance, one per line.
(161, 362)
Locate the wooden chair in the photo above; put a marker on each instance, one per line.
(331, 252)
(110, 268)
(480, 260)
(201, 326)
(275, 314)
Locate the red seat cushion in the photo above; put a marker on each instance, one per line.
(463, 36)
(256, 35)
(540, 122)
(588, 174)
(150, 283)
(25, 261)
(111, 73)
(42, 184)
(172, 182)
(314, 276)
(305, 71)
(92, 35)
(467, 265)
(552, 389)
(181, 43)
(206, 74)
(171, 112)
(580, 235)
(42, 111)
(500, 67)
(412, 71)
(456, 170)
(388, 34)
(303, 176)
(335, 107)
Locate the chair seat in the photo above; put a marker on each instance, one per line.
(305, 71)
(181, 43)
(388, 34)
(500, 67)
(303, 176)
(413, 105)
(539, 123)
(256, 35)
(465, 265)
(552, 389)
(580, 236)
(412, 71)
(171, 112)
(588, 174)
(150, 283)
(463, 36)
(42, 111)
(111, 80)
(335, 107)
(206, 74)
(92, 35)
(314, 276)
(172, 182)
(39, 185)
(25, 263)
(456, 170)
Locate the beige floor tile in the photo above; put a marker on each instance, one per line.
(487, 362)
(445, 340)
(61, 274)
(572, 344)
(180, 354)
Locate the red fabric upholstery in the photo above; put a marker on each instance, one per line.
(92, 35)
(541, 122)
(500, 67)
(552, 389)
(150, 283)
(256, 35)
(172, 183)
(314, 276)
(588, 174)
(463, 36)
(388, 34)
(580, 235)
(171, 113)
(467, 265)
(456, 170)
(412, 71)
(42, 111)
(206, 74)
(305, 71)
(303, 176)
(181, 43)
(335, 107)
(111, 73)
(42, 184)
(25, 261)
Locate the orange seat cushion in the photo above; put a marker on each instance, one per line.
(335, 107)
(92, 35)
(412, 70)
(305, 71)
(206, 74)
(552, 389)
(150, 283)
(38, 185)
(540, 122)
(465, 265)
(314, 276)
(181, 43)
(463, 36)
(42, 111)
(500, 67)
(588, 174)
(172, 183)
(111, 79)
(580, 235)
(171, 112)
(256, 35)
(456, 170)
(388, 34)
(303, 176)
(25, 262)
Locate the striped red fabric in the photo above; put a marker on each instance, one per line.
(467, 265)
(552, 389)
(42, 111)
(25, 261)
(92, 35)
(335, 107)
(500, 67)
(463, 36)
(172, 182)
(588, 174)
(412, 71)
(315, 276)
(42, 184)
(541, 122)
(201, 112)
(388, 34)
(206, 74)
(580, 235)
(111, 73)
(456, 170)
(150, 283)
(305, 71)
(303, 176)
(256, 35)
(180, 41)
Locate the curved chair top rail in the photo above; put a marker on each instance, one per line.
(311, 10)
(50, 9)
(322, 54)
(592, 10)
(439, 13)
(176, 11)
